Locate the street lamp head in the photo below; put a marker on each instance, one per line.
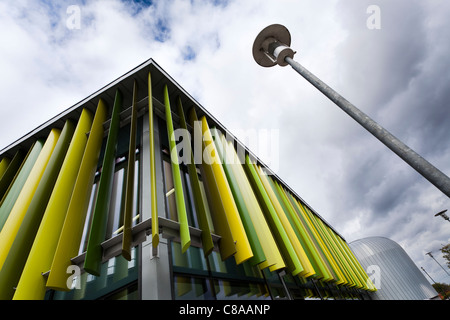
(442, 214)
(271, 46)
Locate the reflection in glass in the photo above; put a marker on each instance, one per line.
(87, 224)
(129, 293)
(170, 192)
(192, 260)
(242, 290)
(115, 274)
(189, 288)
(198, 278)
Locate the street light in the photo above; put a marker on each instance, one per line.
(443, 215)
(428, 275)
(271, 47)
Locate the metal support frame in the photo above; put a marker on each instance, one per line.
(281, 275)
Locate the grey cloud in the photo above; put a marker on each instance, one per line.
(378, 64)
(398, 75)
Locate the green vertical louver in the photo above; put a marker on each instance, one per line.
(179, 195)
(12, 267)
(153, 191)
(72, 230)
(129, 191)
(32, 284)
(199, 200)
(93, 259)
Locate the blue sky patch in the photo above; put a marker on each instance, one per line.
(188, 53)
(162, 32)
(136, 6)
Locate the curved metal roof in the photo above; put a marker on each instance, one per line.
(392, 270)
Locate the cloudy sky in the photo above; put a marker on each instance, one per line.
(398, 73)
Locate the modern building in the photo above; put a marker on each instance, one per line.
(106, 201)
(392, 271)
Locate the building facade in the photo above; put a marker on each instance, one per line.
(394, 273)
(106, 201)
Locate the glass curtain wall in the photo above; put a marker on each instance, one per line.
(233, 230)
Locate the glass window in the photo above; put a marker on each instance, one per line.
(115, 215)
(116, 273)
(128, 293)
(191, 287)
(87, 224)
(276, 287)
(171, 206)
(191, 277)
(235, 289)
(234, 281)
(229, 267)
(198, 278)
(192, 261)
(294, 285)
(189, 198)
(117, 201)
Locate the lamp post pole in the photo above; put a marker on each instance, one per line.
(271, 47)
(428, 275)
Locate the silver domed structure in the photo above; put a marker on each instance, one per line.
(391, 269)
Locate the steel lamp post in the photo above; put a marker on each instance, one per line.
(271, 47)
